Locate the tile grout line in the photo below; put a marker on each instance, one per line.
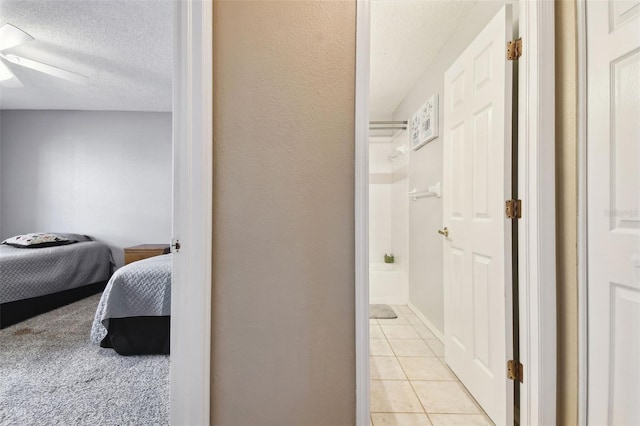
(456, 378)
(440, 359)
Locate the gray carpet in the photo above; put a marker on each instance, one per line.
(50, 374)
(381, 312)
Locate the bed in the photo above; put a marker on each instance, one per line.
(133, 316)
(37, 280)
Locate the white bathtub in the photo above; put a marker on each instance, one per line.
(388, 284)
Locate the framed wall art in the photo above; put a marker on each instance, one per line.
(427, 123)
(415, 130)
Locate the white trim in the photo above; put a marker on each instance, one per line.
(192, 214)
(536, 235)
(582, 214)
(426, 322)
(363, 19)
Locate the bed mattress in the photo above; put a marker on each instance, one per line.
(139, 289)
(28, 273)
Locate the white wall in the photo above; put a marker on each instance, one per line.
(379, 200)
(388, 221)
(104, 174)
(425, 169)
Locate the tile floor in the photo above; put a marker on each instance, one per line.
(410, 383)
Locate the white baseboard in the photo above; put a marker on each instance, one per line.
(428, 323)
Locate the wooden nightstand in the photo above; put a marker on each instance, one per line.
(143, 251)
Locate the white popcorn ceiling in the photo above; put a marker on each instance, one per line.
(406, 36)
(125, 47)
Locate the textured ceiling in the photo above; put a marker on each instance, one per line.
(125, 48)
(406, 36)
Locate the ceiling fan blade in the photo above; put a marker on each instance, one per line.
(48, 69)
(7, 78)
(11, 36)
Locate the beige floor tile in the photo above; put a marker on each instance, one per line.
(412, 318)
(393, 396)
(379, 347)
(425, 368)
(400, 419)
(410, 347)
(385, 368)
(444, 398)
(402, 308)
(399, 332)
(424, 331)
(458, 420)
(401, 320)
(373, 321)
(375, 332)
(436, 346)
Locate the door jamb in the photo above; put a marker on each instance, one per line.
(537, 236)
(536, 165)
(192, 219)
(363, 22)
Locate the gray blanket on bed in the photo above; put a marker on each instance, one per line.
(33, 272)
(141, 288)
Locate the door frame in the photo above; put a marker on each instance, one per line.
(192, 219)
(536, 231)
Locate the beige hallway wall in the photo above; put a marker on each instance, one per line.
(567, 211)
(283, 265)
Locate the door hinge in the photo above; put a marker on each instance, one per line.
(515, 371)
(514, 49)
(513, 209)
(175, 245)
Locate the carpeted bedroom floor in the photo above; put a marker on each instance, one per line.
(50, 374)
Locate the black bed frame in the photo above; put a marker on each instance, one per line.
(20, 310)
(127, 336)
(139, 335)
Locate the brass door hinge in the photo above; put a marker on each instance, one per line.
(515, 371)
(514, 49)
(513, 209)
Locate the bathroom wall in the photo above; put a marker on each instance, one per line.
(388, 220)
(425, 169)
(379, 199)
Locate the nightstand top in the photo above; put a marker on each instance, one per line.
(148, 247)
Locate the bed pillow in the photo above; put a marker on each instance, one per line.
(37, 240)
(73, 237)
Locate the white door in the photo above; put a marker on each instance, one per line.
(613, 211)
(477, 252)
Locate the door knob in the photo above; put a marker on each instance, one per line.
(444, 231)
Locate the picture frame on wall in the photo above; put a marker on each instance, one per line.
(427, 123)
(415, 130)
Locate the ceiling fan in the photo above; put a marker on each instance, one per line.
(11, 36)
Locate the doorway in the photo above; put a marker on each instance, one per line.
(446, 243)
(546, 265)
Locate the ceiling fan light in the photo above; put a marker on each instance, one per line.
(5, 73)
(7, 78)
(13, 58)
